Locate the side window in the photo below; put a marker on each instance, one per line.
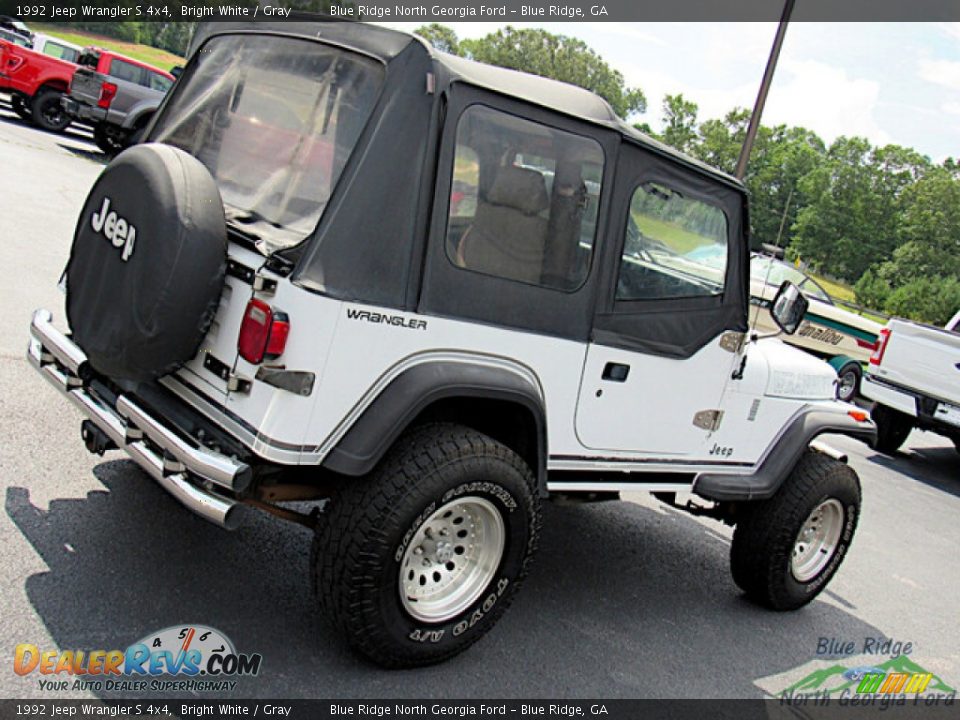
(524, 200)
(676, 246)
(160, 82)
(57, 50)
(126, 71)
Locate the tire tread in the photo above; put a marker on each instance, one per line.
(773, 523)
(343, 567)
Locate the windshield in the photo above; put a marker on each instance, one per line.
(274, 120)
(774, 272)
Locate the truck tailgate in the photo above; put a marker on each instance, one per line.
(86, 85)
(922, 358)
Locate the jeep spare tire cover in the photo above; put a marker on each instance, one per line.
(147, 265)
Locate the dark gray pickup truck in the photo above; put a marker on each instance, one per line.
(120, 102)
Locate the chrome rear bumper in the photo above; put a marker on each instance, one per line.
(185, 471)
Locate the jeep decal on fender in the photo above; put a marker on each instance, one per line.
(114, 228)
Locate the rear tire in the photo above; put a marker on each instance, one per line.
(416, 562)
(108, 139)
(893, 428)
(46, 111)
(786, 549)
(848, 381)
(20, 107)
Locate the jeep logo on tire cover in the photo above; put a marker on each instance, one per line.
(114, 228)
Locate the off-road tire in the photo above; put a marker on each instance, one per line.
(893, 428)
(765, 536)
(364, 535)
(20, 107)
(848, 391)
(46, 111)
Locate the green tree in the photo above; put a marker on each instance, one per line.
(930, 229)
(929, 299)
(680, 123)
(872, 290)
(720, 140)
(781, 158)
(852, 218)
(442, 37)
(559, 57)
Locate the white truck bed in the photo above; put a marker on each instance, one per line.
(918, 374)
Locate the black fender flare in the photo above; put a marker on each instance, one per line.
(764, 480)
(412, 391)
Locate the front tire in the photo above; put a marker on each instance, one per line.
(47, 112)
(848, 381)
(893, 428)
(786, 549)
(418, 561)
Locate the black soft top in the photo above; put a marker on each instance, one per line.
(386, 44)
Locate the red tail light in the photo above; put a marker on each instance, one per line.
(881, 347)
(107, 92)
(263, 333)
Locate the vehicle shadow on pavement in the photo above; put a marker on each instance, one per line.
(96, 156)
(73, 132)
(624, 600)
(936, 467)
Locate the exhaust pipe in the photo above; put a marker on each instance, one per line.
(207, 504)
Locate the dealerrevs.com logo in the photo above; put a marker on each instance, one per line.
(179, 658)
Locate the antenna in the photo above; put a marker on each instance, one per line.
(754, 125)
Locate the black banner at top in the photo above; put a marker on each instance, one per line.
(507, 11)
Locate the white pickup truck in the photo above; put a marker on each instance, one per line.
(914, 378)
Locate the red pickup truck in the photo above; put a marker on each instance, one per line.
(36, 81)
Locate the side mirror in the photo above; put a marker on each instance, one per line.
(788, 307)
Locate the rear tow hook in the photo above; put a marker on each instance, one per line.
(95, 439)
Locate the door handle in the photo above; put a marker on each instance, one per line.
(615, 372)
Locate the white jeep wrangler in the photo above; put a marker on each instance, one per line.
(436, 293)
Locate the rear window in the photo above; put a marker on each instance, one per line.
(275, 121)
(89, 59)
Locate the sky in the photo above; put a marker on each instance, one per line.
(889, 82)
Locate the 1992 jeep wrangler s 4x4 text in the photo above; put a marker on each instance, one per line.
(436, 293)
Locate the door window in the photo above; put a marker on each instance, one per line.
(524, 200)
(676, 246)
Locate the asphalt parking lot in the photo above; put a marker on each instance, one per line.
(626, 599)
